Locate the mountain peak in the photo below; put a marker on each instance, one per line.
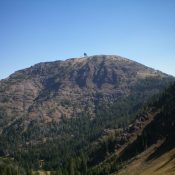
(99, 57)
(50, 90)
(39, 105)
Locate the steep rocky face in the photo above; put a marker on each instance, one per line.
(49, 91)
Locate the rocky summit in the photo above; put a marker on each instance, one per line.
(49, 91)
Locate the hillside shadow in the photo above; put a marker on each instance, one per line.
(165, 147)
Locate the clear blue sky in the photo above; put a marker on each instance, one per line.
(33, 31)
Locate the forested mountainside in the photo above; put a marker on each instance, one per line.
(66, 112)
(147, 146)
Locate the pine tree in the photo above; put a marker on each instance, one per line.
(72, 167)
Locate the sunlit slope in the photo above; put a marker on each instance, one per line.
(163, 165)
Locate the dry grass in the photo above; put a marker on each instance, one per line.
(163, 165)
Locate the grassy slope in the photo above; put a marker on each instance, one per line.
(163, 165)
